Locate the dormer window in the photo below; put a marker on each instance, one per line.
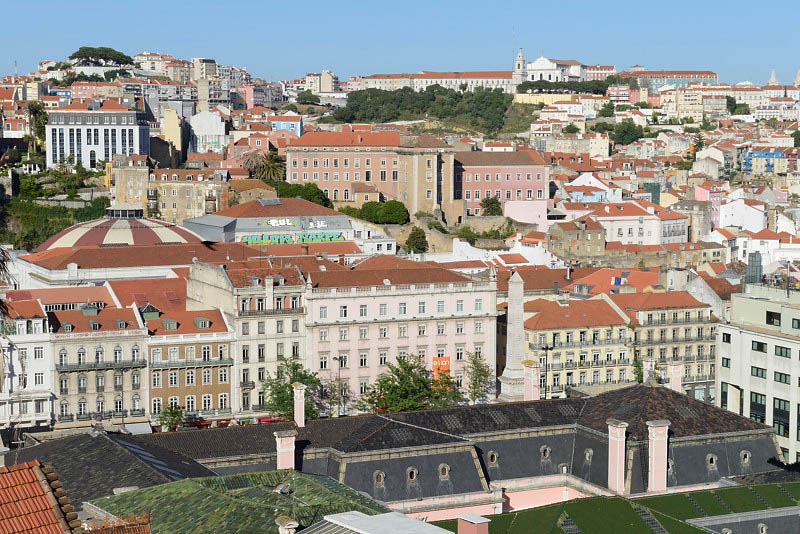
(188, 177)
(174, 177)
(94, 325)
(163, 177)
(121, 324)
(67, 327)
(169, 324)
(202, 323)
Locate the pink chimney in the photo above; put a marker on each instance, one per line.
(616, 455)
(284, 441)
(675, 377)
(472, 524)
(658, 432)
(299, 404)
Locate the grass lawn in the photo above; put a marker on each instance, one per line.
(774, 496)
(674, 526)
(606, 515)
(740, 499)
(708, 503)
(677, 506)
(793, 488)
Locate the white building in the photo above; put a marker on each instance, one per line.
(758, 362)
(209, 132)
(95, 131)
(556, 70)
(746, 213)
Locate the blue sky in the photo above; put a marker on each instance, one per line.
(283, 40)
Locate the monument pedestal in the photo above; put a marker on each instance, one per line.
(512, 385)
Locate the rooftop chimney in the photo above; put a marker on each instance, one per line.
(284, 441)
(648, 370)
(616, 455)
(286, 525)
(299, 404)
(531, 377)
(473, 524)
(675, 378)
(658, 432)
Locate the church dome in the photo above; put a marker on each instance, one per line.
(124, 224)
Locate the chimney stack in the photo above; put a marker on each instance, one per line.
(675, 377)
(472, 524)
(284, 441)
(658, 432)
(616, 455)
(648, 370)
(531, 377)
(299, 404)
(286, 525)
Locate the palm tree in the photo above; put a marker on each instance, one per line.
(794, 198)
(274, 167)
(253, 163)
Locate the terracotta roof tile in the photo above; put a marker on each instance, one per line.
(288, 207)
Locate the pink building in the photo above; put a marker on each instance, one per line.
(712, 192)
(515, 177)
(360, 320)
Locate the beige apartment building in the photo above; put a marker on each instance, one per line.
(171, 195)
(579, 344)
(190, 363)
(674, 327)
(100, 366)
(268, 315)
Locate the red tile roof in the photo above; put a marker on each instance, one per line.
(576, 314)
(390, 139)
(27, 503)
(25, 309)
(107, 318)
(186, 323)
(510, 259)
(657, 301)
(166, 294)
(63, 295)
(288, 207)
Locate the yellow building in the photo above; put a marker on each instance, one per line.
(578, 343)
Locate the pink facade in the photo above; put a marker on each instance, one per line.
(284, 441)
(531, 378)
(333, 172)
(504, 182)
(616, 456)
(356, 331)
(527, 211)
(713, 195)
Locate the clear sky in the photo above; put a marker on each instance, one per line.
(284, 40)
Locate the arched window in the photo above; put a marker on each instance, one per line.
(92, 159)
(98, 355)
(118, 403)
(412, 474)
(81, 383)
(346, 194)
(135, 353)
(380, 478)
(101, 404)
(82, 406)
(444, 472)
(81, 356)
(135, 378)
(335, 194)
(136, 403)
(118, 381)
(545, 450)
(64, 409)
(64, 382)
(156, 405)
(62, 357)
(117, 354)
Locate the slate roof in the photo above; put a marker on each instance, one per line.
(641, 403)
(91, 465)
(239, 503)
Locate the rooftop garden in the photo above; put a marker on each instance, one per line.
(613, 515)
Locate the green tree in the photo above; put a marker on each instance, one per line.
(408, 386)
(279, 392)
(307, 97)
(465, 233)
(490, 207)
(730, 103)
(480, 377)
(626, 132)
(571, 129)
(37, 118)
(370, 210)
(253, 163)
(796, 137)
(416, 242)
(90, 55)
(607, 110)
(393, 212)
(171, 418)
(644, 105)
(111, 75)
(273, 167)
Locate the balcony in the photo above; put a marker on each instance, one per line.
(118, 387)
(66, 418)
(264, 313)
(101, 366)
(81, 389)
(64, 391)
(120, 413)
(247, 384)
(100, 388)
(191, 363)
(137, 413)
(84, 416)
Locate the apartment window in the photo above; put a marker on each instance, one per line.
(363, 332)
(323, 361)
(206, 377)
(459, 328)
(402, 331)
(382, 357)
(780, 417)
(796, 323)
(459, 305)
(156, 380)
(343, 312)
(173, 378)
(758, 346)
(783, 352)
(189, 378)
(726, 337)
(362, 310)
(726, 362)
(382, 309)
(207, 403)
(773, 318)
(362, 359)
(343, 334)
(245, 329)
(383, 332)
(459, 353)
(402, 308)
(421, 307)
(440, 306)
(478, 327)
(758, 372)
(421, 329)
(323, 312)
(783, 378)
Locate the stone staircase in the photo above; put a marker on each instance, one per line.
(759, 498)
(569, 526)
(697, 506)
(650, 520)
(721, 502)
